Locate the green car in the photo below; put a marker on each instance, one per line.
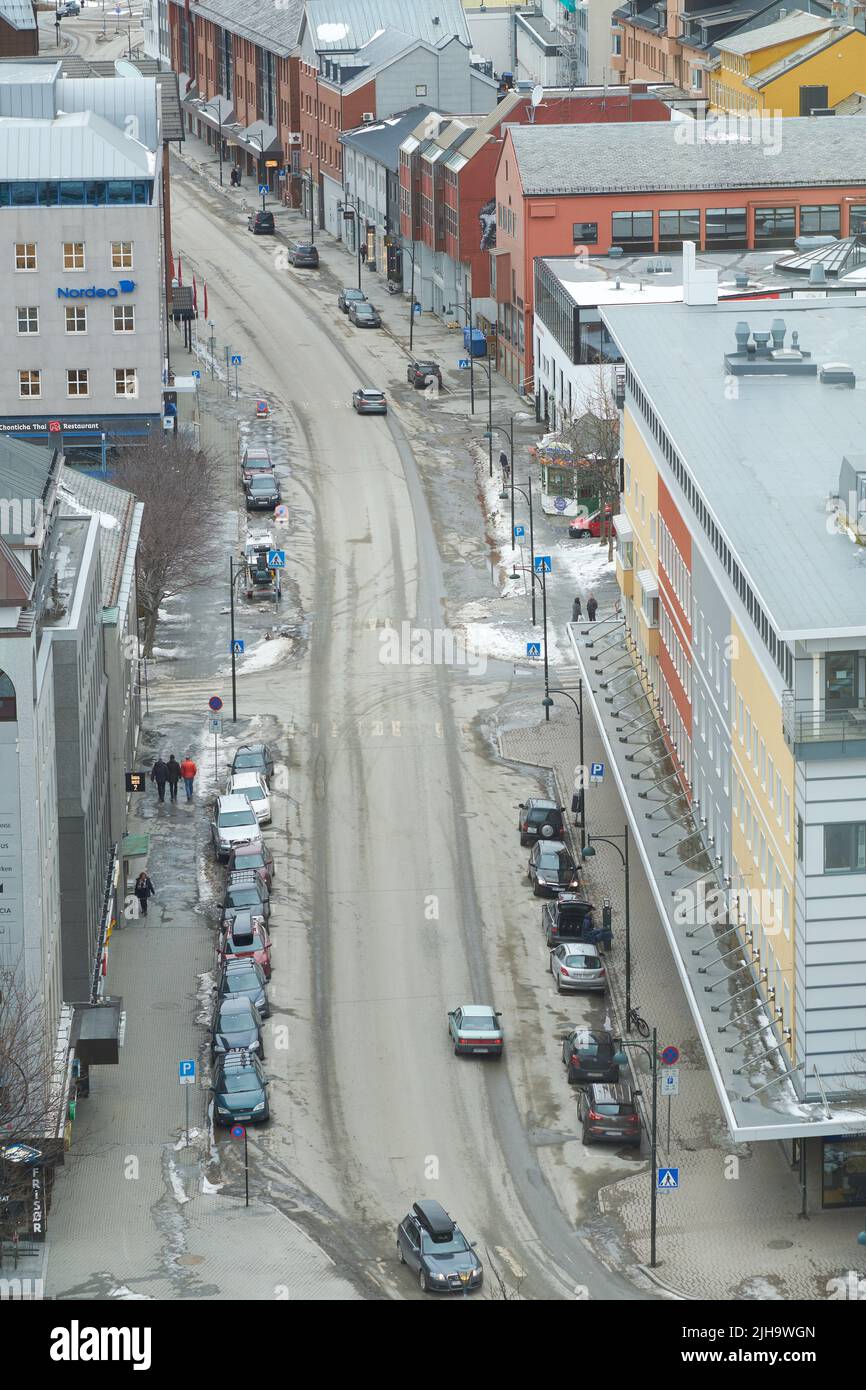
(240, 1090)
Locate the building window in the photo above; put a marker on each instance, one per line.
(121, 255)
(774, 226)
(76, 382)
(826, 219)
(683, 224)
(125, 381)
(725, 227)
(28, 319)
(421, 89)
(857, 219)
(124, 318)
(73, 255)
(633, 229)
(76, 319)
(845, 848)
(616, 38)
(8, 710)
(29, 384)
(584, 233)
(25, 255)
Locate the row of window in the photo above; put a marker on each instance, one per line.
(74, 255)
(77, 382)
(755, 754)
(675, 651)
(678, 734)
(76, 193)
(675, 567)
(721, 225)
(761, 851)
(123, 319)
(506, 219)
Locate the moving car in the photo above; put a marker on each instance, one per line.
(364, 315)
(476, 1028)
(419, 373)
(584, 527)
(246, 938)
(569, 918)
(552, 869)
(540, 819)
(609, 1112)
(252, 785)
(67, 8)
(261, 223)
(368, 401)
(254, 757)
(237, 1025)
(246, 891)
(262, 492)
(576, 967)
(240, 1089)
(233, 821)
(348, 296)
(304, 253)
(254, 856)
(256, 460)
(244, 978)
(588, 1054)
(435, 1249)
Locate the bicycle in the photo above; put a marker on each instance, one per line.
(639, 1024)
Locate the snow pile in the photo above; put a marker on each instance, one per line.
(500, 643)
(266, 654)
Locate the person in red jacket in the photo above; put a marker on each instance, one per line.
(188, 770)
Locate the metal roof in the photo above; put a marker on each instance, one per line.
(381, 140)
(274, 27)
(764, 458)
(18, 14)
(800, 55)
(78, 146)
(125, 102)
(797, 25)
(655, 156)
(115, 508)
(344, 25)
(25, 469)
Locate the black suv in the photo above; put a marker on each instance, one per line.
(246, 978)
(303, 253)
(261, 223)
(588, 1054)
(240, 1089)
(437, 1251)
(609, 1112)
(262, 492)
(418, 374)
(246, 890)
(568, 918)
(254, 757)
(540, 820)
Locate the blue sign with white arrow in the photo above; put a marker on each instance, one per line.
(667, 1179)
(236, 361)
(533, 649)
(263, 188)
(542, 564)
(463, 363)
(237, 647)
(276, 559)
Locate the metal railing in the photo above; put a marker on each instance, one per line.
(803, 721)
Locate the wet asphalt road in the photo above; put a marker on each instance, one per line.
(395, 818)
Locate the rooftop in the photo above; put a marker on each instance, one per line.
(78, 146)
(800, 55)
(796, 25)
(279, 23)
(18, 14)
(83, 492)
(381, 140)
(343, 26)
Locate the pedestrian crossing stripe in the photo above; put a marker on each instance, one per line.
(668, 1179)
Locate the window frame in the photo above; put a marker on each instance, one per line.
(77, 395)
(22, 252)
(70, 251)
(26, 309)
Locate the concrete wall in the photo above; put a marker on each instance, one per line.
(492, 33)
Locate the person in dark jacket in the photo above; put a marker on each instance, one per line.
(144, 889)
(159, 775)
(173, 771)
(505, 466)
(591, 607)
(576, 611)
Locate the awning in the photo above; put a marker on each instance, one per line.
(260, 139)
(211, 111)
(135, 847)
(648, 582)
(623, 527)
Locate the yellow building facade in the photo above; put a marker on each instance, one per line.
(758, 75)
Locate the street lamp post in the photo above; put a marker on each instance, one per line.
(578, 705)
(620, 1058)
(411, 255)
(540, 578)
(209, 106)
(528, 496)
(261, 162)
(459, 309)
(588, 850)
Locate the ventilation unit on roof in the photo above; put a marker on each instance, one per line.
(838, 374)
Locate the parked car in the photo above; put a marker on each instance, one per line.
(254, 757)
(305, 254)
(233, 821)
(252, 785)
(435, 1249)
(588, 1054)
(364, 315)
(540, 819)
(368, 401)
(245, 938)
(254, 856)
(261, 223)
(244, 977)
(552, 869)
(609, 1112)
(248, 892)
(240, 1089)
(262, 492)
(237, 1025)
(476, 1028)
(256, 460)
(419, 373)
(68, 8)
(568, 918)
(347, 296)
(584, 527)
(576, 967)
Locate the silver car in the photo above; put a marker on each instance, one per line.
(574, 966)
(234, 822)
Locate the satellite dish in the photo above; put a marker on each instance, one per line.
(537, 95)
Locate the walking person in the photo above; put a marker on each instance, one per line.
(173, 770)
(188, 770)
(159, 775)
(591, 607)
(362, 251)
(143, 890)
(576, 611)
(505, 466)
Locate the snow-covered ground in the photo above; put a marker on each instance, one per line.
(265, 654)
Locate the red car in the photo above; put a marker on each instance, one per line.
(246, 936)
(585, 526)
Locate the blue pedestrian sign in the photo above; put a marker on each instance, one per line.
(186, 1072)
(237, 647)
(542, 564)
(263, 188)
(196, 374)
(667, 1179)
(236, 361)
(533, 649)
(276, 559)
(596, 772)
(519, 532)
(463, 363)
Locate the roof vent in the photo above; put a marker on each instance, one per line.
(817, 274)
(838, 374)
(762, 339)
(777, 329)
(741, 333)
(618, 286)
(741, 280)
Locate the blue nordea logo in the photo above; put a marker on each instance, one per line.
(123, 287)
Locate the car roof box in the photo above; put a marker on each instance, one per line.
(433, 1217)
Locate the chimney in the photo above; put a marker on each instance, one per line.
(741, 333)
(741, 280)
(699, 286)
(777, 329)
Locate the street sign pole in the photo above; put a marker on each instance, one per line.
(234, 659)
(186, 1113)
(531, 535)
(228, 375)
(237, 392)
(655, 1158)
(246, 1171)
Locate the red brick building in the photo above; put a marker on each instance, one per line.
(19, 32)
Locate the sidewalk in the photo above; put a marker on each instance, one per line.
(733, 1229)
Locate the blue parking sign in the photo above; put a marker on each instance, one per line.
(186, 1072)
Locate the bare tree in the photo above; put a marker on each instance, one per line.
(176, 483)
(29, 1109)
(593, 436)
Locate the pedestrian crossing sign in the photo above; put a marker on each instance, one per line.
(668, 1180)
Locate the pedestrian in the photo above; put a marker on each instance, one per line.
(159, 775)
(505, 466)
(173, 770)
(188, 770)
(576, 612)
(591, 607)
(144, 889)
(362, 251)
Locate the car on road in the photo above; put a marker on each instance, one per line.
(305, 254)
(368, 401)
(540, 820)
(232, 822)
(244, 978)
(262, 492)
(256, 460)
(552, 869)
(567, 918)
(476, 1028)
(237, 1026)
(349, 296)
(422, 371)
(364, 315)
(261, 223)
(67, 9)
(240, 1089)
(245, 890)
(609, 1113)
(245, 938)
(586, 527)
(252, 785)
(576, 967)
(588, 1054)
(254, 757)
(436, 1250)
(256, 857)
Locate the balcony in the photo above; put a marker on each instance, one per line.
(814, 730)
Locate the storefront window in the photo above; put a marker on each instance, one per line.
(632, 229)
(824, 220)
(844, 1172)
(774, 226)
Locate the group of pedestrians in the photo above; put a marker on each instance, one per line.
(170, 774)
(591, 608)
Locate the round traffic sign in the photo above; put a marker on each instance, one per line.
(237, 1131)
(560, 503)
(215, 703)
(669, 1055)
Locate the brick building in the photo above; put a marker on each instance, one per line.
(19, 32)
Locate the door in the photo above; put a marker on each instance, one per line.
(840, 682)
